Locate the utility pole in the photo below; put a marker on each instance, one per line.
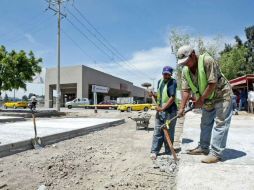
(55, 5)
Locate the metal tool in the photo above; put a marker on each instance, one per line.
(165, 128)
(36, 141)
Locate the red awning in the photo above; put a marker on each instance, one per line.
(242, 80)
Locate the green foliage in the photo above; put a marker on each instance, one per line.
(238, 60)
(6, 98)
(17, 68)
(25, 98)
(233, 63)
(249, 44)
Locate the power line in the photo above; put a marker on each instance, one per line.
(109, 45)
(98, 47)
(82, 50)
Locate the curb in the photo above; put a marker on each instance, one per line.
(13, 148)
(12, 119)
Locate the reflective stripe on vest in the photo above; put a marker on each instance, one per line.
(202, 78)
(162, 98)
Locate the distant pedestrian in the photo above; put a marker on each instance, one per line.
(235, 108)
(251, 101)
(243, 99)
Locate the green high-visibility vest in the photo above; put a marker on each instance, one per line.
(162, 96)
(202, 78)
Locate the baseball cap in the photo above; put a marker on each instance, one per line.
(183, 54)
(167, 70)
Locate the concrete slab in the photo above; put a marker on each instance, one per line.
(237, 169)
(19, 131)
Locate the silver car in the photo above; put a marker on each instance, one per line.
(78, 102)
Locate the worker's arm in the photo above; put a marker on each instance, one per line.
(150, 94)
(169, 103)
(185, 98)
(208, 91)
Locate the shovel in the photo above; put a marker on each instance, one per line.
(36, 141)
(165, 128)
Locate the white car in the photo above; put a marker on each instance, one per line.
(78, 102)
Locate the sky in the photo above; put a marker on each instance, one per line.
(137, 29)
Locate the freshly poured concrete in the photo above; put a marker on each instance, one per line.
(19, 131)
(237, 169)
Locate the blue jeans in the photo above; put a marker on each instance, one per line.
(214, 127)
(158, 135)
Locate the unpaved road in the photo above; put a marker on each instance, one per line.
(114, 158)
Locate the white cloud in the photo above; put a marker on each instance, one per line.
(30, 38)
(142, 67)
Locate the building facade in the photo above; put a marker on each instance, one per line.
(77, 81)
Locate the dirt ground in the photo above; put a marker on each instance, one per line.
(114, 158)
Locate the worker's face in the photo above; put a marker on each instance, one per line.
(191, 61)
(166, 76)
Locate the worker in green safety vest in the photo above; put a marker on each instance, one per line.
(202, 77)
(166, 109)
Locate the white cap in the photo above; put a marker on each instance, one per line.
(183, 54)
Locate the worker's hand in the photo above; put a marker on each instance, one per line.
(199, 103)
(180, 112)
(159, 109)
(150, 94)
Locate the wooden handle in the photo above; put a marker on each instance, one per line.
(35, 130)
(166, 133)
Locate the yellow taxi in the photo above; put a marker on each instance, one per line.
(134, 107)
(15, 105)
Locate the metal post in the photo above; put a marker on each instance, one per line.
(95, 102)
(58, 58)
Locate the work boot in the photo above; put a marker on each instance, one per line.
(198, 151)
(210, 159)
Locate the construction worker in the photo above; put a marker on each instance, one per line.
(201, 75)
(166, 109)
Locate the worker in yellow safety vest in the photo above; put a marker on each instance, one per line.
(166, 109)
(201, 75)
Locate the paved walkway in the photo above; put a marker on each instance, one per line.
(237, 169)
(19, 131)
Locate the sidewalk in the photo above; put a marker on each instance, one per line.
(237, 169)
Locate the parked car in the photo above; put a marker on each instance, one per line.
(19, 104)
(134, 107)
(78, 102)
(110, 104)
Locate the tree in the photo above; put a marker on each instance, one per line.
(6, 98)
(238, 60)
(249, 44)
(17, 68)
(178, 38)
(233, 63)
(30, 95)
(25, 98)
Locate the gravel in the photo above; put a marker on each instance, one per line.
(114, 158)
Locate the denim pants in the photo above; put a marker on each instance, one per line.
(214, 127)
(158, 135)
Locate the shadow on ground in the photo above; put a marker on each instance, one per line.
(231, 154)
(186, 141)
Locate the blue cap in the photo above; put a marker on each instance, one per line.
(167, 70)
